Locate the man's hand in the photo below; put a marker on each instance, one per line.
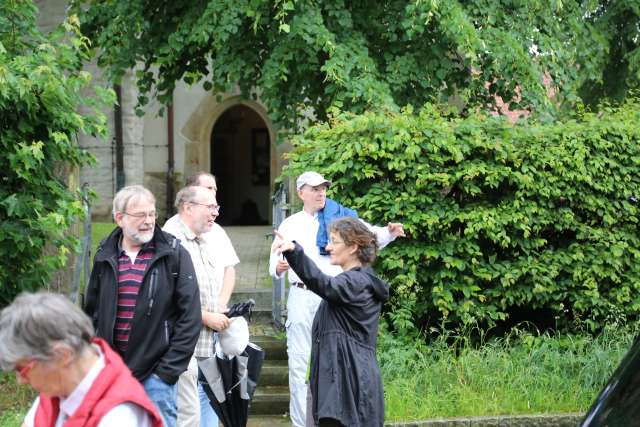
(396, 229)
(282, 266)
(216, 321)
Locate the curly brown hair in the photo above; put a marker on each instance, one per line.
(353, 232)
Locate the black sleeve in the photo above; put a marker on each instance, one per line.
(90, 303)
(336, 290)
(188, 322)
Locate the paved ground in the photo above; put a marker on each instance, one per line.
(252, 244)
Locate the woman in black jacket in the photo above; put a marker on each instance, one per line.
(345, 382)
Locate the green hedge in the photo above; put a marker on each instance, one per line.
(42, 93)
(503, 219)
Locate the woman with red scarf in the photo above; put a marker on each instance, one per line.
(50, 344)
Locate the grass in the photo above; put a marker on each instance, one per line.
(520, 374)
(12, 418)
(15, 400)
(99, 230)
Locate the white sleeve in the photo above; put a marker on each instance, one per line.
(273, 257)
(382, 233)
(227, 251)
(171, 226)
(126, 415)
(30, 418)
(273, 261)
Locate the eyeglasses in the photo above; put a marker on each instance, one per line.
(213, 208)
(335, 242)
(143, 215)
(24, 370)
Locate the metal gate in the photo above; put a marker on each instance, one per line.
(280, 212)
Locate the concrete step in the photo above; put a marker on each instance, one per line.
(270, 400)
(261, 314)
(269, 421)
(262, 297)
(274, 373)
(274, 348)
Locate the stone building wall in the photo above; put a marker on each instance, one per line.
(145, 139)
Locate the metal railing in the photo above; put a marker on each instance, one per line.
(83, 262)
(280, 212)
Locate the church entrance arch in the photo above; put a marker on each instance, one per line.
(240, 158)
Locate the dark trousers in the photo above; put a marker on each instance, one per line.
(329, 422)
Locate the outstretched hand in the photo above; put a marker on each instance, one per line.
(396, 229)
(280, 244)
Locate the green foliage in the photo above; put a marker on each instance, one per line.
(41, 93)
(356, 55)
(501, 218)
(522, 373)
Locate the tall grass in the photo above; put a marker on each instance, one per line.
(15, 400)
(12, 418)
(99, 230)
(520, 374)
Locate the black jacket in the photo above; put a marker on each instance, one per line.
(167, 318)
(345, 379)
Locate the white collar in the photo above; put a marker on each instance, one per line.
(70, 405)
(310, 216)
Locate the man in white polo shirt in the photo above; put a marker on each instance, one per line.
(301, 303)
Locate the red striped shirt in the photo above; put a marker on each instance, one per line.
(130, 277)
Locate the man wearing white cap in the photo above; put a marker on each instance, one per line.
(302, 304)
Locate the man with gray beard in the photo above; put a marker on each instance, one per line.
(144, 299)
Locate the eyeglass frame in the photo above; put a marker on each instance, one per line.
(142, 215)
(24, 371)
(211, 207)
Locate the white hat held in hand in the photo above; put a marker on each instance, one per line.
(235, 338)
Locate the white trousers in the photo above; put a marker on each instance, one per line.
(301, 309)
(188, 401)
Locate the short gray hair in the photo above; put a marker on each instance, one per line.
(124, 196)
(195, 178)
(187, 195)
(35, 322)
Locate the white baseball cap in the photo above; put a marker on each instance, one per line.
(311, 178)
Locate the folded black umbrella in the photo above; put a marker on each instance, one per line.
(231, 382)
(241, 308)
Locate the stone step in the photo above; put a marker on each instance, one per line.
(261, 314)
(270, 400)
(274, 348)
(269, 421)
(274, 373)
(262, 297)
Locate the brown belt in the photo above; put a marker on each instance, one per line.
(299, 285)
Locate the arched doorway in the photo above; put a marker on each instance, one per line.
(240, 160)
